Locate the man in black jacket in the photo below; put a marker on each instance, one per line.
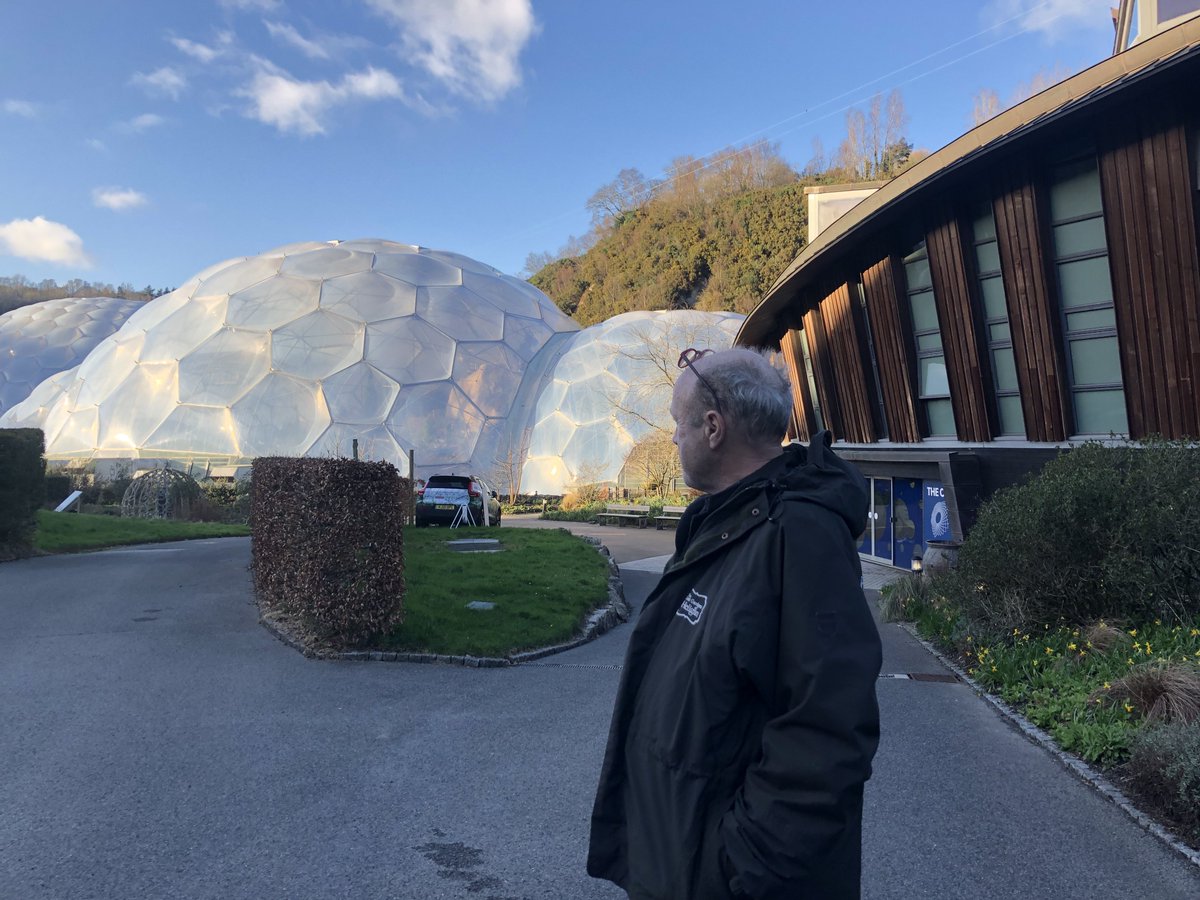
(746, 718)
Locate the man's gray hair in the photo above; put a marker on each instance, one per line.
(755, 395)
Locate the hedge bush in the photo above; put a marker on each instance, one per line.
(22, 488)
(1164, 768)
(327, 544)
(58, 489)
(1101, 532)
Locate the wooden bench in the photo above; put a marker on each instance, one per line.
(669, 514)
(625, 512)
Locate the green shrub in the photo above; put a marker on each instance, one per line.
(1100, 532)
(1164, 769)
(327, 544)
(22, 488)
(58, 488)
(585, 513)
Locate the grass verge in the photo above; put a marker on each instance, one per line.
(67, 532)
(542, 584)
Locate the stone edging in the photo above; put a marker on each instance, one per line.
(614, 611)
(1072, 763)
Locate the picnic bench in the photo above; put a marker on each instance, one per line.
(624, 512)
(669, 514)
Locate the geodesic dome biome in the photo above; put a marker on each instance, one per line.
(303, 349)
(43, 339)
(609, 389)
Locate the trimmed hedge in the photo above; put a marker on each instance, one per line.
(58, 488)
(327, 544)
(22, 488)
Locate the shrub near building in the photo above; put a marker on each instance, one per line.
(327, 545)
(22, 489)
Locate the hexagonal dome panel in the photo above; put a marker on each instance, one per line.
(43, 339)
(304, 349)
(607, 389)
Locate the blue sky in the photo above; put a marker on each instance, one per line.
(144, 141)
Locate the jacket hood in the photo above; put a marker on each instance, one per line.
(820, 476)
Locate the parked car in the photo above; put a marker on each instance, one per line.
(457, 500)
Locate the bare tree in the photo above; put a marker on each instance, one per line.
(874, 140)
(588, 485)
(985, 104)
(654, 462)
(629, 190)
(508, 467)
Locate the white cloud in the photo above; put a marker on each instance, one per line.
(251, 5)
(472, 46)
(300, 106)
(20, 108)
(201, 52)
(283, 32)
(144, 122)
(165, 82)
(118, 198)
(1053, 18)
(96, 144)
(41, 240)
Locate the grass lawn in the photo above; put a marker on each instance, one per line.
(65, 532)
(543, 584)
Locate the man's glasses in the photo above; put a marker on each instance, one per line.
(686, 358)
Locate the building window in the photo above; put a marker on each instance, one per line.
(810, 376)
(1005, 390)
(1089, 323)
(933, 383)
(880, 412)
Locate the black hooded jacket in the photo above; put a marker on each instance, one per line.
(746, 718)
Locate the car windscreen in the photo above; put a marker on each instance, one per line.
(448, 481)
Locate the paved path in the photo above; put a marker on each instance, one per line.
(155, 742)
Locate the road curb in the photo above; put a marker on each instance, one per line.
(613, 612)
(1072, 763)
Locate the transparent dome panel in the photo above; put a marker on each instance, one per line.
(126, 419)
(545, 475)
(375, 443)
(239, 276)
(325, 262)
(489, 374)
(195, 429)
(223, 368)
(184, 330)
(463, 262)
(592, 400)
(105, 368)
(460, 313)
(369, 297)
(504, 293)
(550, 435)
(273, 303)
(597, 450)
(417, 268)
(79, 431)
(525, 336)
(150, 314)
(438, 421)
(360, 394)
(409, 350)
(316, 345)
(280, 415)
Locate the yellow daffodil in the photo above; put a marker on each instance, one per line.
(1071, 646)
(1107, 686)
(1128, 708)
(1133, 632)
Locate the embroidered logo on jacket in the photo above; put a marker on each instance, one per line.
(692, 607)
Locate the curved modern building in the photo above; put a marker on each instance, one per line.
(1034, 284)
(46, 338)
(320, 348)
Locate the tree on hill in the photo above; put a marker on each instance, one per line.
(17, 290)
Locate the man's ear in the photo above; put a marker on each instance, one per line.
(714, 428)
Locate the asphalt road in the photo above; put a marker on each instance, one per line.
(155, 742)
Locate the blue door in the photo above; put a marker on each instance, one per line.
(907, 518)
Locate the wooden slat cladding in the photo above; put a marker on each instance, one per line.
(822, 359)
(1032, 317)
(802, 411)
(892, 350)
(1148, 193)
(960, 343)
(849, 367)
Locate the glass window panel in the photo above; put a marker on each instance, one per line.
(930, 341)
(1100, 412)
(1093, 318)
(988, 257)
(917, 275)
(924, 312)
(1095, 361)
(933, 379)
(918, 252)
(1080, 237)
(1004, 368)
(1085, 281)
(1169, 9)
(993, 297)
(1012, 420)
(1075, 190)
(984, 226)
(941, 418)
(1000, 332)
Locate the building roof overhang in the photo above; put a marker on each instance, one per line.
(796, 290)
